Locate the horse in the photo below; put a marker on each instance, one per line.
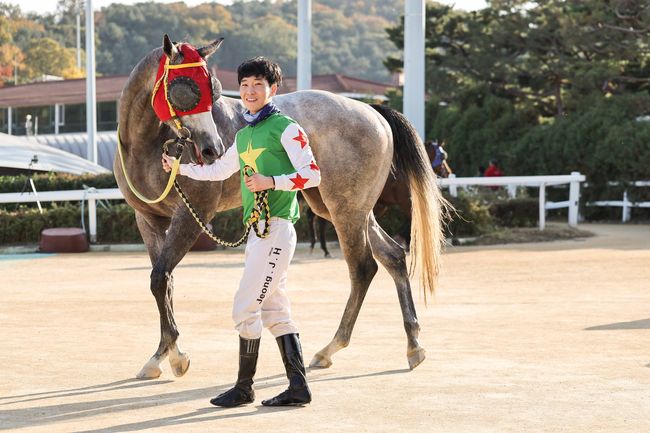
(354, 145)
(395, 192)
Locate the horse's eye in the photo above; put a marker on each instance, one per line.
(183, 93)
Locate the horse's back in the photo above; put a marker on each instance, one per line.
(350, 140)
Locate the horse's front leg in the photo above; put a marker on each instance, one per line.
(180, 237)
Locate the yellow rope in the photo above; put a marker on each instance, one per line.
(170, 183)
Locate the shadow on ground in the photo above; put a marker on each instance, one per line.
(42, 415)
(635, 324)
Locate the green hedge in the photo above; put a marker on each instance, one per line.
(114, 225)
(117, 224)
(518, 212)
(57, 182)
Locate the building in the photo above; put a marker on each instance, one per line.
(58, 107)
(53, 113)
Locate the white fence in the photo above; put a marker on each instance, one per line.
(541, 182)
(626, 204)
(91, 194)
(511, 182)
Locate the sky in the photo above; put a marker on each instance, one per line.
(50, 5)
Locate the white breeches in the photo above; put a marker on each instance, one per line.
(261, 299)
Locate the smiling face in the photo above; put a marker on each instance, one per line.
(256, 92)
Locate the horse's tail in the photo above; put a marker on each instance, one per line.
(428, 207)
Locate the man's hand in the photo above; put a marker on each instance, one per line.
(258, 182)
(167, 162)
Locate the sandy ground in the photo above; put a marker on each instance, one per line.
(549, 337)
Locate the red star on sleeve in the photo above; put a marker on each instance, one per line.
(301, 138)
(313, 166)
(298, 181)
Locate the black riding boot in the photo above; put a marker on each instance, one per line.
(298, 392)
(242, 392)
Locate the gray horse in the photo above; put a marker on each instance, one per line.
(355, 146)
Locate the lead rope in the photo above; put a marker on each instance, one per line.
(260, 207)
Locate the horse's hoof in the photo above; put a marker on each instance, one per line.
(320, 361)
(416, 357)
(149, 371)
(180, 364)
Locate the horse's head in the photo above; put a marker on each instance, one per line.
(183, 96)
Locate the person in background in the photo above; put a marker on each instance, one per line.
(493, 169)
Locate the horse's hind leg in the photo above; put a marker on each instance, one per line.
(166, 250)
(352, 233)
(393, 258)
(322, 228)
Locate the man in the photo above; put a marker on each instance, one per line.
(278, 151)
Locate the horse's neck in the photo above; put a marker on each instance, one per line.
(227, 114)
(139, 126)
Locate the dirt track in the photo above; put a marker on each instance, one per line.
(534, 337)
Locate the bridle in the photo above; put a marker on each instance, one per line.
(165, 110)
(183, 134)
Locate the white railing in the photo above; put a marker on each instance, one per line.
(90, 194)
(541, 182)
(626, 204)
(453, 182)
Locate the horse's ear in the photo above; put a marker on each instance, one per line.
(169, 48)
(208, 50)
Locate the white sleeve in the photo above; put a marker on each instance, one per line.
(221, 169)
(307, 175)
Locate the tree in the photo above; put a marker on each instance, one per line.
(541, 55)
(46, 56)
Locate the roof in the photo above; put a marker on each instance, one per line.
(109, 89)
(61, 92)
(26, 153)
(77, 143)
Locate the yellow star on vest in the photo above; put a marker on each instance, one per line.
(250, 156)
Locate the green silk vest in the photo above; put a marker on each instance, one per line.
(260, 147)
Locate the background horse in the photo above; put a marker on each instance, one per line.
(395, 192)
(354, 145)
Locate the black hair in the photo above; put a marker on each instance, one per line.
(260, 67)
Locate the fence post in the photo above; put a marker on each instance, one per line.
(574, 199)
(512, 190)
(92, 219)
(542, 206)
(453, 189)
(627, 214)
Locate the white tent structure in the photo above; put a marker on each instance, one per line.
(23, 153)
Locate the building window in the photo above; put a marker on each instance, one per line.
(4, 120)
(33, 120)
(106, 116)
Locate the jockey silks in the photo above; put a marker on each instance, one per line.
(269, 147)
(276, 147)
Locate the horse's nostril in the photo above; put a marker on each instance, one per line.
(209, 153)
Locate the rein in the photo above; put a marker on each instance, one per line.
(172, 176)
(261, 207)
